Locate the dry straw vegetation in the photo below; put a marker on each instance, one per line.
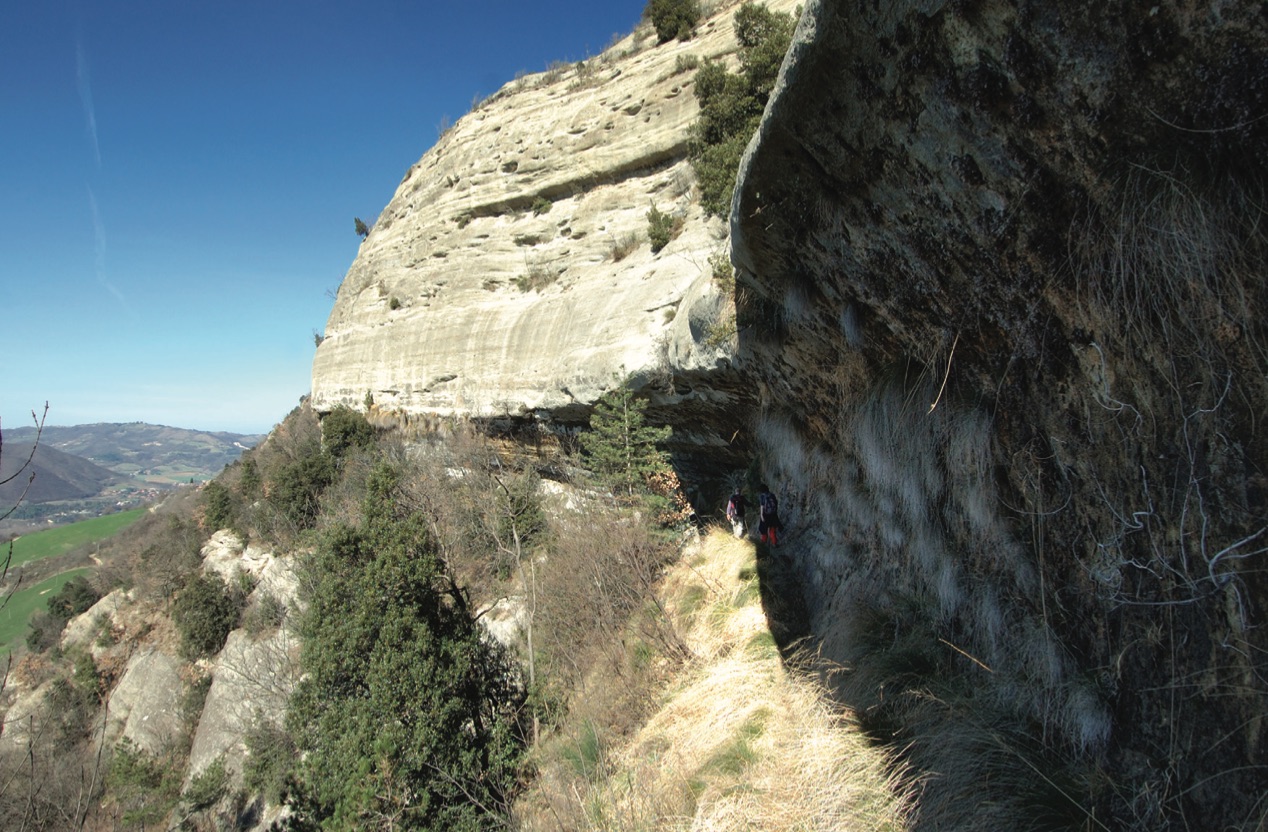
(735, 740)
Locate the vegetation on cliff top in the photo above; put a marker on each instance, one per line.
(731, 103)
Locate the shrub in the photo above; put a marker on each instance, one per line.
(686, 63)
(344, 429)
(72, 702)
(296, 488)
(75, 596)
(270, 762)
(144, 787)
(538, 276)
(764, 37)
(542, 205)
(208, 786)
(45, 632)
(623, 246)
(394, 303)
(217, 506)
(672, 18)
(204, 613)
(723, 272)
(731, 104)
(661, 228)
(268, 613)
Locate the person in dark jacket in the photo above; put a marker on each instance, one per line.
(768, 524)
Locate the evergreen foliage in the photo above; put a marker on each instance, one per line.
(75, 596)
(344, 429)
(217, 506)
(144, 787)
(204, 613)
(731, 104)
(621, 446)
(270, 762)
(661, 228)
(296, 487)
(404, 716)
(250, 482)
(672, 18)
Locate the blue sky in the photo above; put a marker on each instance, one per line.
(179, 178)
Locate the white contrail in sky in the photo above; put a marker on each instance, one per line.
(83, 78)
(99, 248)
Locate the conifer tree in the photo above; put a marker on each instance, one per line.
(621, 446)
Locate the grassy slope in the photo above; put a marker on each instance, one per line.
(17, 610)
(22, 604)
(59, 541)
(737, 741)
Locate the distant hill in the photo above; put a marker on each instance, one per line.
(156, 454)
(58, 475)
(89, 470)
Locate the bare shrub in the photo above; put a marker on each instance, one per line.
(601, 570)
(624, 245)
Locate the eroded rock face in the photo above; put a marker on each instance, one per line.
(1001, 268)
(145, 705)
(547, 183)
(253, 675)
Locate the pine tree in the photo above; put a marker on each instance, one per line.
(406, 716)
(621, 446)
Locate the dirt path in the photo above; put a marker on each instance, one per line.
(782, 598)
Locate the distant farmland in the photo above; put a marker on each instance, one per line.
(51, 542)
(18, 608)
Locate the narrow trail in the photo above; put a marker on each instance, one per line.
(782, 598)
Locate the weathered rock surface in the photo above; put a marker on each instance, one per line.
(252, 680)
(83, 628)
(145, 705)
(253, 675)
(429, 319)
(1001, 269)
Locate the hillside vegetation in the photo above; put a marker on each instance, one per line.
(634, 684)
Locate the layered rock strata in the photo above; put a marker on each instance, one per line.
(511, 274)
(1001, 266)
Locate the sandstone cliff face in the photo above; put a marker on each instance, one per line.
(430, 320)
(1001, 270)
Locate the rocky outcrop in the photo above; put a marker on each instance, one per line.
(511, 274)
(254, 673)
(84, 628)
(251, 682)
(145, 706)
(1000, 265)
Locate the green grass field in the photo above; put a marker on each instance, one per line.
(61, 540)
(22, 605)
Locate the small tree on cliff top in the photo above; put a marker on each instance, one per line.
(672, 18)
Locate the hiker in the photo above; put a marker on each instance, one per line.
(768, 524)
(735, 512)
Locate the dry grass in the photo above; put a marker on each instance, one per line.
(737, 741)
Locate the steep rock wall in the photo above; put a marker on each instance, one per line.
(1001, 269)
(432, 319)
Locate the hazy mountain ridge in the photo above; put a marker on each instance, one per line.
(57, 475)
(87, 470)
(158, 454)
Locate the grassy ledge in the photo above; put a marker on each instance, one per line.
(733, 739)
